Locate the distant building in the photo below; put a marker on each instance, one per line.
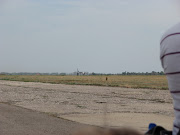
(78, 73)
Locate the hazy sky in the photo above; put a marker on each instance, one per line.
(107, 36)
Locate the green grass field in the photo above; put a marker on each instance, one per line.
(131, 81)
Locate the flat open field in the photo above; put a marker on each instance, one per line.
(130, 81)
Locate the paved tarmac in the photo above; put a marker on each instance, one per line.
(18, 121)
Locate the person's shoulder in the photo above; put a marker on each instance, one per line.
(171, 31)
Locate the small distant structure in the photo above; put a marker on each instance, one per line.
(81, 73)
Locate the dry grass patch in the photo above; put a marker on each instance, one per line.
(131, 81)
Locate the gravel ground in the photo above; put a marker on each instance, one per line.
(81, 103)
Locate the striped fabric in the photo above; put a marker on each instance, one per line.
(170, 60)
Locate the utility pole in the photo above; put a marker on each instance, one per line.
(77, 72)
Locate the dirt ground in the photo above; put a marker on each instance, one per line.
(110, 106)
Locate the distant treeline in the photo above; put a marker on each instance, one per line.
(134, 73)
(27, 73)
(146, 73)
(63, 74)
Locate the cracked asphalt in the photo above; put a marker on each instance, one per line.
(83, 103)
